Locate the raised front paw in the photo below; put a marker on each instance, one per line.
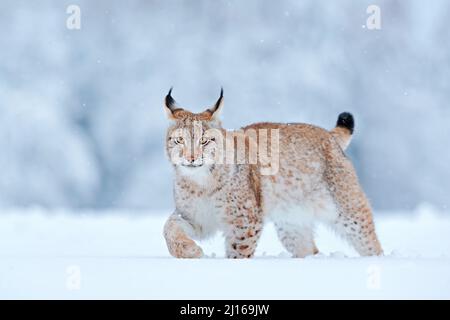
(185, 248)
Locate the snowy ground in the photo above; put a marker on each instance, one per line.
(123, 255)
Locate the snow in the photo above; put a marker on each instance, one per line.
(122, 254)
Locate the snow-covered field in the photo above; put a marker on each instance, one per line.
(123, 255)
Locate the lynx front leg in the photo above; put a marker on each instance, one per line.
(242, 243)
(179, 243)
(243, 235)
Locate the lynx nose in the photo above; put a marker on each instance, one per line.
(190, 159)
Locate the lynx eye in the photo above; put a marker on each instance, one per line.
(178, 140)
(204, 141)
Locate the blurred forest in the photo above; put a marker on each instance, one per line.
(81, 118)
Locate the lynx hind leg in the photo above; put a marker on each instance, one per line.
(176, 233)
(354, 221)
(359, 230)
(297, 239)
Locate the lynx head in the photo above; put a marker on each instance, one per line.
(193, 139)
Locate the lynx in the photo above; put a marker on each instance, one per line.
(314, 181)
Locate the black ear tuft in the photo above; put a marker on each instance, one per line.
(345, 120)
(217, 105)
(170, 102)
(219, 101)
(171, 105)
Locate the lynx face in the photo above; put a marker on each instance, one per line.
(193, 139)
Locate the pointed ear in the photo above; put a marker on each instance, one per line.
(170, 105)
(215, 110)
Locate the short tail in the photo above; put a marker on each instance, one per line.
(344, 129)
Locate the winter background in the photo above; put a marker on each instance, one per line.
(85, 185)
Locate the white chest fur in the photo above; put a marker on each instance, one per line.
(204, 216)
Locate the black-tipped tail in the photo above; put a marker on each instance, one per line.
(345, 120)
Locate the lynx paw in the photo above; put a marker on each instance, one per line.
(186, 249)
